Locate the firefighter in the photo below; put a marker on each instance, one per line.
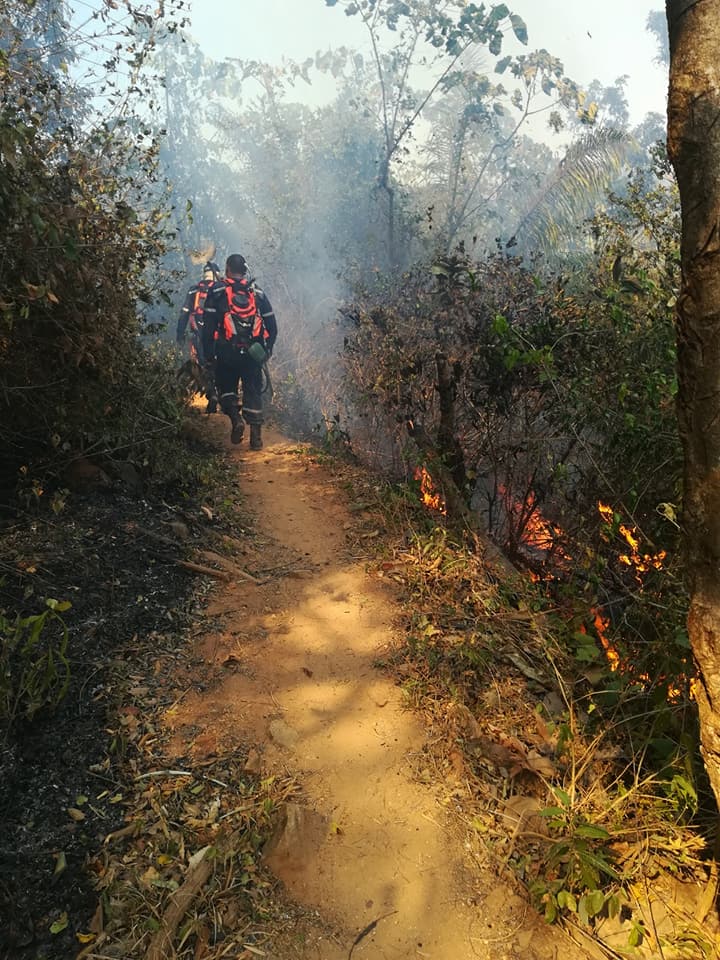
(192, 315)
(238, 336)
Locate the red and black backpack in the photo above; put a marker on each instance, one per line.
(197, 309)
(241, 324)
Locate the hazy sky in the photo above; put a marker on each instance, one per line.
(594, 40)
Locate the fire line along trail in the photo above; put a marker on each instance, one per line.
(369, 849)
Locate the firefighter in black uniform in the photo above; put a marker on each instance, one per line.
(192, 315)
(239, 356)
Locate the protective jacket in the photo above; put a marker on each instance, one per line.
(216, 306)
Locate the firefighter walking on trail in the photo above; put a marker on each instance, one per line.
(238, 336)
(192, 316)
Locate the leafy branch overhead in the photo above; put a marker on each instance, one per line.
(475, 24)
(446, 42)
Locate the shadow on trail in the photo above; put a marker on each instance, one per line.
(290, 671)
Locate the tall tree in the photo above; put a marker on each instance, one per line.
(433, 37)
(694, 149)
(656, 24)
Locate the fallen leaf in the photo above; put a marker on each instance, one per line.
(60, 863)
(149, 876)
(492, 751)
(34, 291)
(523, 813)
(542, 766)
(527, 669)
(97, 923)
(60, 924)
(197, 857)
(546, 738)
(458, 763)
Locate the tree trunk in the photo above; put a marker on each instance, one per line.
(694, 148)
(385, 184)
(448, 445)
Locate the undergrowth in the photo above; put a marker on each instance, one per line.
(34, 668)
(578, 771)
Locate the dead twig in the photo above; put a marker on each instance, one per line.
(232, 569)
(161, 945)
(367, 930)
(131, 830)
(205, 571)
(180, 773)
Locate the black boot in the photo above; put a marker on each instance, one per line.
(256, 436)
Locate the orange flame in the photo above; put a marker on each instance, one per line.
(640, 562)
(537, 531)
(615, 662)
(428, 494)
(542, 534)
(602, 624)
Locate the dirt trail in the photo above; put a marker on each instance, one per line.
(368, 840)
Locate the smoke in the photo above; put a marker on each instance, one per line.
(298, 191)
(201, 257)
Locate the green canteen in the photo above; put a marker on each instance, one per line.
(257, 352)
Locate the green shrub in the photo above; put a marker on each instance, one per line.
(34, 668)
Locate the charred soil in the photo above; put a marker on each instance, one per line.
(63, 759)
(62, 771)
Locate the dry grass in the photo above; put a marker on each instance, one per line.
(192, 834)
(556, 793)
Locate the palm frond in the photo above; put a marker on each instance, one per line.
(571, 191)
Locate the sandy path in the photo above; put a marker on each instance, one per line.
(370, 841)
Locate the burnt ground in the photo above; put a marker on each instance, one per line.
(131, 606)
